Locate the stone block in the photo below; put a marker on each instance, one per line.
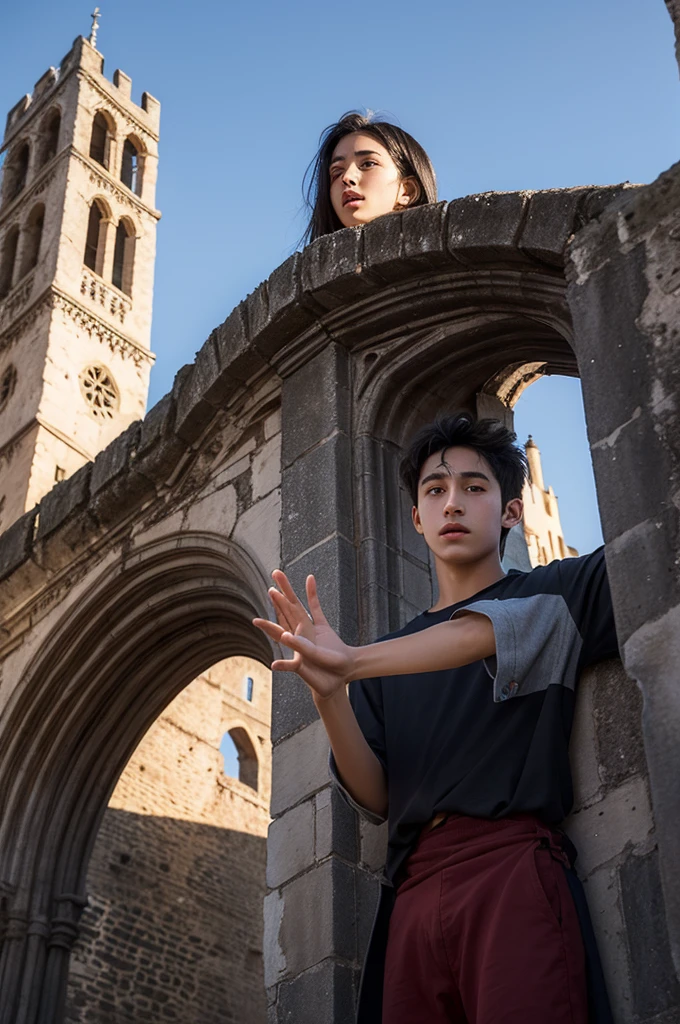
(113, 461)
(315, 402)
(602, 892)
(646, 555)
(603, 830)
(292, 705)
(633, 451)
(64, 501)
(656, 986)
(336, 828)
(299, 767)
(330, 931)
(16, 543)
(373, 845)
(583, 756)
(610, 348)
(383, 250)
(424, 235)
(274, 311)
(193, 411)
(331, 271)
(274, 956)
(238, 358)
(617, 715)
(157, 424)
(485, 228)
(290, 844)
(316, 498)
(550, 222)
(266, 468)
(333, 565)
(322, 995)
(368, 892)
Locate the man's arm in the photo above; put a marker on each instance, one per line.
(327, 665)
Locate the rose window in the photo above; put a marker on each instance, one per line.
(99, 391)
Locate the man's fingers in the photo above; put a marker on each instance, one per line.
(287, 664)
(270, 628)
(281, 610)
(283, 583)
(313, 601)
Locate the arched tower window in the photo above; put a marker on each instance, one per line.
(32, 238)
(52, 127)
(100, 140)
(124, 256)
(237, 749)
(95, 241)
(9, 255)
(16, 171)
(131, 166)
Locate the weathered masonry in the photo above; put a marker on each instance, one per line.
(278, 445)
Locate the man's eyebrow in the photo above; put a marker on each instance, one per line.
(465, 475)
(359, 152)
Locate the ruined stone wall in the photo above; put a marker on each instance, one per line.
(173, 929)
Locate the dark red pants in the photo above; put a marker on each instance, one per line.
(484, 929)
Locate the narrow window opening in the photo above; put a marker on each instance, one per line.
(32, 239)
(131, 167)
(9, 255)
(100, 140)
(17, 171)
(123, 258)
(240, 759)
(249, 686)
(92, 240)
(51, 138)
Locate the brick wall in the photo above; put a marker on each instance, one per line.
(173, 930)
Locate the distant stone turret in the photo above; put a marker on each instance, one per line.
(542, 527)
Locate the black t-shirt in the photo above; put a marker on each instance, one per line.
(491, 739)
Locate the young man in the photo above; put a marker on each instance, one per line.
(456, 728)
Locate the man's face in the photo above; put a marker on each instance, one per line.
(459, 510)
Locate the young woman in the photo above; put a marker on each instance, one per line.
(363, 169)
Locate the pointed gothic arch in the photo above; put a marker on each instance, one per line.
(8, 262)
(124, 255)
(132, 164)
(98, 222)
(32, 237)
(15, 172)
(102, 138)
(139, 635)
(50, 130)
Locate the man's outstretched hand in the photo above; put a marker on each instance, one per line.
(319, 655)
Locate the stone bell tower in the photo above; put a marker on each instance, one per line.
(77, 251)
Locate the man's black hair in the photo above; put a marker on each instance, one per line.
(489, 438)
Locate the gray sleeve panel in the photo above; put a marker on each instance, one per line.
(537, 644)
(375, 819)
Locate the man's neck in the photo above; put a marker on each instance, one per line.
(458, 582)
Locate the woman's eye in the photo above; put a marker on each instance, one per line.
(370, 163)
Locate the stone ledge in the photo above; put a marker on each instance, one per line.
(16, 543)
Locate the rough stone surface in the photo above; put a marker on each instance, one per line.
(316, 402)
(15, 544)
(316, 501)
(300, 763)
(322, 995)
(331, 929)
(64, 501)
(290, 844)
(655, 983)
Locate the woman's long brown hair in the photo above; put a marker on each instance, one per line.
(409, 157)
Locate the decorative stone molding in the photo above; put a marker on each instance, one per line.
(94, 287)
(101, 330)
(119, 110)
(12, 304)
(105, 182)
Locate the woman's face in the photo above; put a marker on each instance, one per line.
(365, 182)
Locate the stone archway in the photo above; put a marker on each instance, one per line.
(143, 630)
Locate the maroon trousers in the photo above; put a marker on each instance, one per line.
(484, 929)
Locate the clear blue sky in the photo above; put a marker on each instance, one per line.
(527, 95)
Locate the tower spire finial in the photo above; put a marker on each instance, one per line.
(95, 25)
